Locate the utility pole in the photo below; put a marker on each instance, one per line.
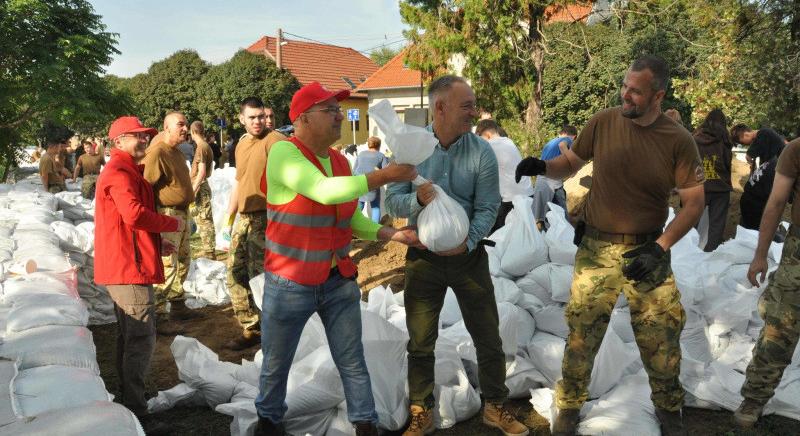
(278, 43)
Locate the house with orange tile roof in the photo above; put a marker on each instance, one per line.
(333, 66)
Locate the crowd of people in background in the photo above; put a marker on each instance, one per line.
(297, 203)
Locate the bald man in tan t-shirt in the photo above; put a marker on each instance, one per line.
(166, 170)
(639, 156)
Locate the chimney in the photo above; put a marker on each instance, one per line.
(278, 41)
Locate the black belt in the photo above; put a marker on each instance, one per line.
(335, 270)
(621, 238)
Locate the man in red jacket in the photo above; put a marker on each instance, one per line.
(128, 250)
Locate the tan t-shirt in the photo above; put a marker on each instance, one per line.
(635, 168)
(49, 166)
(204, 155)
(91, 163)
(789, 166)
(165, 169)
(251, 165)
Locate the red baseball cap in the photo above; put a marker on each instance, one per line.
(128, 124)
(310, 95)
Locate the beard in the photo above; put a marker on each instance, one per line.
(633, 112)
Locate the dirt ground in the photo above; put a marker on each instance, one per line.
(379, 264)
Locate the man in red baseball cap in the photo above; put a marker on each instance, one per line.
(312, 210)
(128, 251)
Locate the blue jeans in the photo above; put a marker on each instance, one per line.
(375, 206)
(287, 305)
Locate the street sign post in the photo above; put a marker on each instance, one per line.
(352, 116)
(220, 122)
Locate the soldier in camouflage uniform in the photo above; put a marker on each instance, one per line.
(246, 255)
(779, 305)
(639, 156)
(202, 166)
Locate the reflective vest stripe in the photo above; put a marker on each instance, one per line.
(300, 220)
(306, 255)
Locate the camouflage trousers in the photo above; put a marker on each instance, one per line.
(87, 185)
(657, 318)
(176, 265)
(205, 221)
(779, 307)
(245, 261)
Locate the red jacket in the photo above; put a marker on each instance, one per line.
(127, 244)
(303, 235)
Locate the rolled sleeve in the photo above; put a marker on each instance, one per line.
(401, 200)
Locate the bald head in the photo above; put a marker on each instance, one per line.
(175, 128)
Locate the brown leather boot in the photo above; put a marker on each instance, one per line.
(421, 422)
(748, 413)
(567, 422)
(249, 338)
(498, 416)
(671, 422)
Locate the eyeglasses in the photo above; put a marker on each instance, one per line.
(139, 136)
(330, 110)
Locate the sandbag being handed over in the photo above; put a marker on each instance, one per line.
(443, 224)
(409, 144)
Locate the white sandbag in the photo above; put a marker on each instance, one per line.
(93, 418)
(52, 263)
(409, 144)
(543, 402)
(621, 324)
(385, 355)
(205, 284)
(611, 363)
(547, 352)
(71, 236)
(521, 375)
(455, 403)
(52, 387)
(511, 320)
(694, 342)
(505, 290)
(720, 386)
(555, 278)
(786, 401)
(201, 369)
(179, 395)
(529, 285)
(527, 248)
(559, 236)
(380, 301)
(627, 409)
(451, 312)
(51, 345)
(35, 283)
(551, 319)
(443, 224)
(49, 310)
(244, 416)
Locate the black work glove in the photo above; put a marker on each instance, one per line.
(530, 166)
(580, 229)
(645, 260)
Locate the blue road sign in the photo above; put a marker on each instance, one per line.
(220, 122)
(352, 115)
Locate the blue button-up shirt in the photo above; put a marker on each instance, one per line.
(467, 172)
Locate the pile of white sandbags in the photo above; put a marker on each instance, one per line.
(532, 273)
(205, 284)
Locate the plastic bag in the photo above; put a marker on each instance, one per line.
(51, 387)
(443, 224)
(409, 144)
(526, 249)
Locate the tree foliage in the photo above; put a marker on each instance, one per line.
(245, 74)
(52, 55)
(382, 55)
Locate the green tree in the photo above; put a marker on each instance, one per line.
(170, 84)
(52, 55)
(245, 74)
(383, 55)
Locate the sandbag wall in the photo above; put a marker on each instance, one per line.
(48, 364)
(532, 274)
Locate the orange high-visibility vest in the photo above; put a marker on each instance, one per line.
(303, 235)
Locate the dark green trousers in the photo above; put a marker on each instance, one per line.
(427, 278)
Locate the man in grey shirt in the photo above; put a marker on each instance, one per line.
(465, 167)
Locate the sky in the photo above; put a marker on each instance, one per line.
(151, 30)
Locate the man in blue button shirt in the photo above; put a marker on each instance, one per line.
(465, 167)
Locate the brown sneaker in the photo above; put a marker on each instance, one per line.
(671, 422)
(498, 416)
(249, 338)
(567, 422)
(421, 422)
(748, 413)
(166, 328)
